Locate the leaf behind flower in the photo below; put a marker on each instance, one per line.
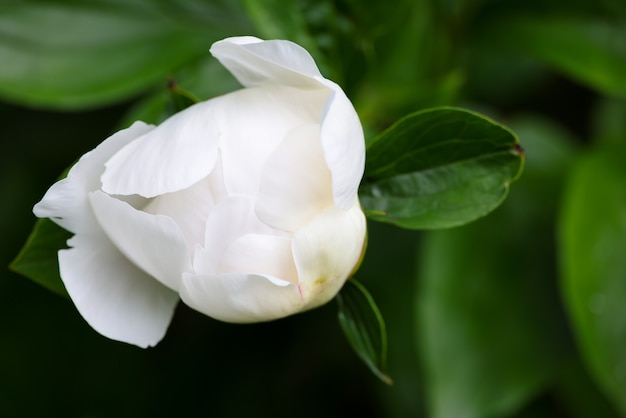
(439, 168)
(364, 327)
(38, 258)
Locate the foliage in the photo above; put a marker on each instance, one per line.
(364, 327)
(439, 168)
(518, 314)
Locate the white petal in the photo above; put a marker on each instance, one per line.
(117, 299)
(66, 202)
(175, 155)
(229, 220)
(265, 255)
(344, 146)
(253, 122)
(255, 62)
(296, 183)
(217, 186)
(154, 243)
(188, 208)
(327, 250)
(241, 298)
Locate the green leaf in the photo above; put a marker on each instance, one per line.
(593, 261)
(363, 326)
(439, 168)
(609, 120)
(390, 261)
(579, 394)
(590, 50)
(491, 333)
(38, 259)
(71, 54)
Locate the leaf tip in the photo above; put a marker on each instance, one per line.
(518, 149)
(386, 379)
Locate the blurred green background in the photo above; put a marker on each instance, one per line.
(520, 314)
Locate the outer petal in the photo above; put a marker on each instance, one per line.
(154, 243)
(255, 62)
(66, 202)
(241, 298)
(296, 183)
(178, 153)
(344, 146)
(253, 122)
(117, 299)
(326, 252)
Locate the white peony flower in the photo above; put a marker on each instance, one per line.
(244, 206)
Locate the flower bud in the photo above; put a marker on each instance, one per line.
(244, 206)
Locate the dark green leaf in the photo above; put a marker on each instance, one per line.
(70, 54)
(38, 259)
(580, 395)
(363, 326)
(439, 168)
(491, 331)
(382, 265)
(590, 50)
(609, 120)
(593, 256)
